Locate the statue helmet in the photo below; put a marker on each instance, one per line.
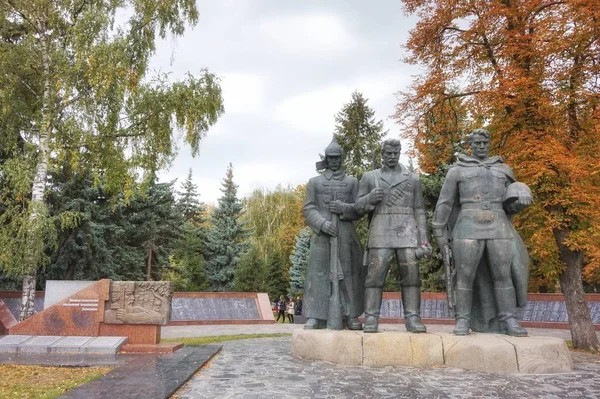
(333, 149)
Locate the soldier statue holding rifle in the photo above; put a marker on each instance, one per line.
(477, 200)
(393, 198)
(334, 287)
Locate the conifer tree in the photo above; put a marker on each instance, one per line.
(299, 259)
(189, 205)
(359, 135)
(250, 275)
(225, 240)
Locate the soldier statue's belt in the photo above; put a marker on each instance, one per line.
(485, 205)
(395, 210)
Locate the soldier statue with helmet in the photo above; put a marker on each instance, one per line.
(329, 212)
(472, 220)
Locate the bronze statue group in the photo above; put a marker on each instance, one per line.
(486, 260)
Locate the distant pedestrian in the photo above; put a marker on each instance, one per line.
(291, 308)
(281, 306)
(298, 311)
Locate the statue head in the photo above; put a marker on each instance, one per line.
(333, 157)
(390, 152)
(479, 140)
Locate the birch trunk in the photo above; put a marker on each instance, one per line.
(39, 184)
(149, 264)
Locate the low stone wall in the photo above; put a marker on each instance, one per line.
(189, 308)
(541, 311)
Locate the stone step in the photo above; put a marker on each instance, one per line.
(59, 345)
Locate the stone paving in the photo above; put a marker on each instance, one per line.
(265, 368)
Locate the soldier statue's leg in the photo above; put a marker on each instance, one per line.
(411, 289)
(379, 264)
(500, 257)
(467, 254)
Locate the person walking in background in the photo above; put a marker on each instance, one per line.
(298, 311)
(291, 308)
(281, 306)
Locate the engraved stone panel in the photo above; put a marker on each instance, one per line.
(139, 302)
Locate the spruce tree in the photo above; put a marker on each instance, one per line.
(250, 273)
(189, 205)
(277, 275)
(225, 240)
(299, 259)
(359, 135)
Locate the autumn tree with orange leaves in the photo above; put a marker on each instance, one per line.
(529, 71)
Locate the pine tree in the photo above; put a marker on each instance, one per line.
(359, 135)
(250, 275)
(225, 241)
(299, 259)
(189, 205)
(277, 275)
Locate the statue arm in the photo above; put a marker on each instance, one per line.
(362, 204)
(310, 209)
(350, 212)
(446, 201)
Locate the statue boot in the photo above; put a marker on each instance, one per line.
(353, 323)
(411, 302)
(313, 324)
(372, 308)
(506, 302)
(464, 300)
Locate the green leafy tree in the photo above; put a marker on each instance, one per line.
(76, 86)
(299, 260)
(359, 135)
(226, 238)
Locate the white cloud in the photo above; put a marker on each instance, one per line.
(243, 93)
(313, 112)
(309, 33)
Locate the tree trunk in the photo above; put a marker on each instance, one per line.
(149, 264)
(583, 333)
(39, 186)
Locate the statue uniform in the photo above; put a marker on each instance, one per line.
(397, 226)
(482, 234)
(321, 190)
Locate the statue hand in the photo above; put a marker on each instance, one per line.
(422, 252)
(375, 196)
(329, 229)
(336, 207)
(524, 200)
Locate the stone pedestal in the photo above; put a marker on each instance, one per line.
(492, 353)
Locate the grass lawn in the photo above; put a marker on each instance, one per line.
(221, 338)
(44, 382)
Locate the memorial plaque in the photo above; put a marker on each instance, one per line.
(139, 302)
(57, 290)
(185, 308)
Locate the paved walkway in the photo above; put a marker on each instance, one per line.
(265, 368)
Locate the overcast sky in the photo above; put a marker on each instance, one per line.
(287, 67)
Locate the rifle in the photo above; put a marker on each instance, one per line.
(335, 313)
(450, 273)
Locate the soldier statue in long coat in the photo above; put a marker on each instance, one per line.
(332, 194)
(393, 198)
(477, 200)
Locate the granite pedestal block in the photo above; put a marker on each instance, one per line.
(492, 353)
